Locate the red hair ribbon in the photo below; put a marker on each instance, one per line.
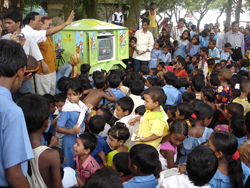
(236, 156)
(194, 116)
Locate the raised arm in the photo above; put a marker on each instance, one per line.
(74, 130)
(110, 98)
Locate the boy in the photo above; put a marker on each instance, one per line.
(107, 115)
(136, 89)
(153, 72)
(85, 69)
(197, 85)
(132, 44)
(166, 55)
(195, 61)
(226, 53)
(211, 65)
(45, 167)
(117, 17)
(193, 31)
(236, 127)
(13, 167)
(181, 68)
(244, 89)
(213, 52)
(95, 96)
(144, 71)
(86, 165)
(143, 160)
(151, 81)
(96, 125)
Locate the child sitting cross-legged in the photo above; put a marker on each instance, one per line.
(45, 167)
(86, 165)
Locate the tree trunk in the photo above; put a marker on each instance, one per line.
(237, 10)
(67, 8)
(229, 11)
(221, 12)
(92, 9)
(134, 14)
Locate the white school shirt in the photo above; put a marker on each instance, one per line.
(119, 17)
(38, 36)
(144, 41)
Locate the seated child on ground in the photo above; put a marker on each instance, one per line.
(151, 81)
(226, 53)
(166, 55)
(45, 167)
(181, 68)
(197, 85)
(140, 110)
(85, 69)
(153, 72)
(144, 71)
(107, 115)
(122, 74)
(185, 111)
(236, 127)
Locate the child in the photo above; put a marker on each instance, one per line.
(168, 148)
(107, 115)
(184, 84)
(203, 61)
(211, 65)
(182, 43)
(188, 96)
(143, 160)
(155, 55)
(120, 164)
(151, 81)
(243, 99)
(132, 43)
(199, 133)
(195, 61)
(45, 167)
(160, 66)
(223, 63)
(242, 64)
(185, 111)
(236, 127)
(118, 135)
(232, 67)
(193, 47)
(166, 55)
(73, 114)
(140, 110)
(218, 66)
(213, 52)
(85, 69)
(231, 171)
(86, 165)
(197, 85)
(154, 125)
(171, 111)
(136, 89)
(208, 96)
(193, 30)
(226, 53)
(144, 71)
(224, 92)
(96, 96)
(96, 125)
(181, 68)
(153, 72)
(201, 167)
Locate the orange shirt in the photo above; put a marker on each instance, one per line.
(181, 73)
(49, 55)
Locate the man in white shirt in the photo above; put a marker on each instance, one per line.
(220, 40)
(117, 17)
(144, 46)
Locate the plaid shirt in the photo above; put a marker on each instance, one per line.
(176, 32)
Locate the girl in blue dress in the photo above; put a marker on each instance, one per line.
(155, 55)
(181, 47)
(72, 115)
(193, 47)
(204, 38)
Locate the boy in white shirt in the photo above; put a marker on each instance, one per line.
(117, 17)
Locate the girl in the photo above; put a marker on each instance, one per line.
(118, 135)
(181, 46)
(193, 47)
(231, 171)
(168, 149)
(199, 133)
(185, 111)
(154, 124)
(72, 115)
(181, 68)
(165, 34)
(155, 55)
(188, 60)
(195, 61)
(204, 37)
(216, 32)
(171, 111)
(203, 61)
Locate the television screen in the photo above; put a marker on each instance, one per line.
(105, 48)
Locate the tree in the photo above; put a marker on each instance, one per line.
(134, 14)
(86, 8)
(229, 11)
(218, 5)
(238, 10)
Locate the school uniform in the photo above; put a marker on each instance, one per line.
(141, 181)
(172, 95)
(117, 93)
(214, 53)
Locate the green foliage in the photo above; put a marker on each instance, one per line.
(29, 4)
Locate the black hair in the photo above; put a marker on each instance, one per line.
(214, 78)
(121, 73)
(186, 109)
(152, 3)
(85, 68)
(62, 82)
(136, 87)
(197, 38)
(201, 165)
(204, 32)
(104, 178)
(50, 98)
(170, 78)
(136, 75)
(84, 79)
(107, 115)
(172, 110)
(145, 157)
(183, 82)
(198, 84)
(167, 41)
(74, 86)
(127, 81)
(117, 6)
(12, 58)
(140, 110)
(126, 104)
(157, 94)
(167, 47)
(87, 86)
(179, 126)
(114, 81)
(244, 85)
(161, 83)
(237, 124)
(193, 27)
(203, 111)
(188, 35)
(236, 93)
(204, 49)
(190, 77)
(183, 62)
(154, 70)
(228, 45)
(121, 163)
(160, 42)
(60, 151)
(13, 15)
(153, 81)
(60, 97)
(119, 132)
(162, 64)
(218, 65)
(223, 60)
(133, 38)
(235, 109)
(96, 124)
(144, 70)
(247, 121)
(187, 96)
(227, 144)
(211, 61)
(145, 20)
(235, 22)
(29, 17)
(36, 111)
(209, 93)
(182, 20)
(157, 170)
(213, 42)
(89, 140)
(99, 81)
(244, 62)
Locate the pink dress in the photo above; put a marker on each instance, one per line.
(166, 146)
